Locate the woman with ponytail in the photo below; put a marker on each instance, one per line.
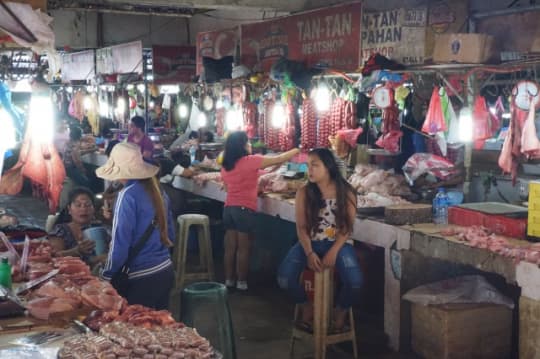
(141, 214)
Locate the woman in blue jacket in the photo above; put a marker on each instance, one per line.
(140, 204)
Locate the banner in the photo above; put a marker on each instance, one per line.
(173, 64)
(78, 66)
(120, 59)
(398, 34)
(216, 44)
(329, 36)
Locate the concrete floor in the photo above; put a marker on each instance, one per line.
(261, 316)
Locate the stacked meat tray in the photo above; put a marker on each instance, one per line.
(58, 290)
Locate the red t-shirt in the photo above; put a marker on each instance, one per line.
(241, 182)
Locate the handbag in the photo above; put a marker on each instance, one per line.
(120, 279)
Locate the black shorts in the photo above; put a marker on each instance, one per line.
(240, 219)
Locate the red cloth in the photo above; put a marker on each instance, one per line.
(241, 182)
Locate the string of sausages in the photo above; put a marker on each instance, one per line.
(250, 119)
(308, 125)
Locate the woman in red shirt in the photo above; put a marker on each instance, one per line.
(240, 173)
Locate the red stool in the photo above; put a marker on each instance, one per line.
(321, 290)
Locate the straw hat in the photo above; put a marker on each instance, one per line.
(126, 162)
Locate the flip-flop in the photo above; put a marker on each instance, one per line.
(304, 326)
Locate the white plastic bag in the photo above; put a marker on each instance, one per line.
(465, 289)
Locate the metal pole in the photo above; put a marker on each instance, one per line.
(145, 78)
(469, 97)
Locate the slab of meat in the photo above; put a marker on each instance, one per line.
(530, 145)
(42, 308)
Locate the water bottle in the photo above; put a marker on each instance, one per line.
(5, 273)
(192, 153)
(440, 207)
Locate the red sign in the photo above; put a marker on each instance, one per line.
(173, 64)
(329, 36)
(215, 44)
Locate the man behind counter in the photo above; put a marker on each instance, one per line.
(138, 137)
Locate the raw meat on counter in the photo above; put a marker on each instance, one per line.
(133, 314)
(124, 340)
(373, 199)
(370, 179)
(202, 178)
(481, 237)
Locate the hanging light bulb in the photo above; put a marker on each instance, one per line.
(183, 110)
(103, 109)
(140, 87)
(322, 97)
(465, 125)
(233, 119)
(121, 106)
(202, 119)
(87, 103)
(41, 118)
(219, 103)
(278, 115)
(151, 105)
(129, 87)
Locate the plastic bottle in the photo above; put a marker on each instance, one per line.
(440, 207)
(192, 153)
(5, 273)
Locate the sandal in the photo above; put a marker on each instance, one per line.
(304, 326)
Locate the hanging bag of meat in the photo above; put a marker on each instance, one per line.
(530, 145)
(435, 121)
(481, 123)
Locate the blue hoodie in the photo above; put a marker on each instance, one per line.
(132, 215)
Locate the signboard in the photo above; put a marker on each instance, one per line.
(173, 64)
(120, 59)
(216, 44)
(513, 32)
(78, 66)
(398, 34)
(329, 36)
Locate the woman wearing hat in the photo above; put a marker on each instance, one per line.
(139, 205)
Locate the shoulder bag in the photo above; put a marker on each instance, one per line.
(120, 279)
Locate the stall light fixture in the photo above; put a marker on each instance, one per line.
(121, 106)
(322, 97)
(278, 115)
(183, 110)
(130, 87)
(202, 119)
(168, 89)
(103, 109)
(234, 119)
(507, 115)
(69, 89)
(219, 104)
(140, 87)
(90, 88)
(7, 132)
(87, 103)
(151, 105)
(41, 119)
(465, 125)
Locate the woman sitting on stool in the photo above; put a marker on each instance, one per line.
(325, 214)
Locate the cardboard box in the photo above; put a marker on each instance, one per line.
(461, 331)
(464, 48)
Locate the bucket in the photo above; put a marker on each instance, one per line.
(99, 236)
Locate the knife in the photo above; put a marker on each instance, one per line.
(32, 283)
(81, 327)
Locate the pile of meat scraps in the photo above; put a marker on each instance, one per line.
(378, 188)
(481, 237)
(124, 340)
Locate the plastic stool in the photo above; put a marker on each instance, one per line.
(205, 307)
(206, 261)
(322, 307)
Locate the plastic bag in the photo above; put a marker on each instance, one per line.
(435, 121)
(481, 123)
(465, 289)
(421, 163)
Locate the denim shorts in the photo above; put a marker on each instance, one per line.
(241, 219)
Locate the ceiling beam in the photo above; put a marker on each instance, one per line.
(281, 5)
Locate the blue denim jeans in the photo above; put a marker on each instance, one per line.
(295, 262)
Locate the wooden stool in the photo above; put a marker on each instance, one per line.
(206, 261)
(322, 307)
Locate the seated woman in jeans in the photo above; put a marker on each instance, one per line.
(325, 213)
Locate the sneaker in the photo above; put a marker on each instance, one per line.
(241, 285)
(230, 283)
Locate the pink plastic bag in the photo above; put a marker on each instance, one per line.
(435, 117)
